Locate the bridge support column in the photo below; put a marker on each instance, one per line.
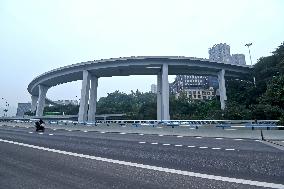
(34, 103)
(165, 93)
(41, 99)
(159, 96)
(83, 109)
(222, 88)
(93, 99)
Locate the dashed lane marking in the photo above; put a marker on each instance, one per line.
(203, 147)
(122, 133)
(31, 132)
(179, 136)
(198, 137)
(155, 168)
(102, 132)
(166, 144)
(85, 131)
(238, 139)
(191, 146)
(230, 149)
(178, 145)
(141, 134)
(154, 143)
(161, 135)
(40, 133)
(50, 134)
(219, 138)
(142, 142)
(54, 129)
(216, 148)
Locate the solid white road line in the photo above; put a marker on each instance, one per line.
(156, 168)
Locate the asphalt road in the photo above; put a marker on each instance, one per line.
(77, 159)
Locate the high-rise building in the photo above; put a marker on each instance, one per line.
(238, 59)
(153, 88)
(23, 108)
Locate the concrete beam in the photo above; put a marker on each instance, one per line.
(34, 103)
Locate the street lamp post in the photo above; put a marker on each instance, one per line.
(6, 107)
(248, 45)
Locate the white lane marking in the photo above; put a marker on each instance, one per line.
(54, 129)
(69, 130)
(198, 137)
(166, 144)
(215, 148)
(179, 136)
(257, 140)
(30, 132)
(230, 149)
(178, 145)
(27, 127)
(282, 141)
(154, 143)
(50, 134)
(124, 126)
(191, 128)
(102, 132)
(219, 138)
(191, 146)
(238, 139)
(159, 127)
(142, 142)
(203, 147)
(122, 133)
(155, 168)
(161, 135)
(230, 129)
(85, 131)
(40, 133)
(141, 134)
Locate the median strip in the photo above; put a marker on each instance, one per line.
(155, 168)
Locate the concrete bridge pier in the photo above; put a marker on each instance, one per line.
(34, 103)
(83, 109)
(41, 99)
(159, 96)
(93, 99)
(222, 88)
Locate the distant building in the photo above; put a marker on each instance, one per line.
(23, 108)
(154, 88)
(221, 53)
(67, 102)
(199, 94)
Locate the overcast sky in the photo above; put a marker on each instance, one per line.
(37, 36)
